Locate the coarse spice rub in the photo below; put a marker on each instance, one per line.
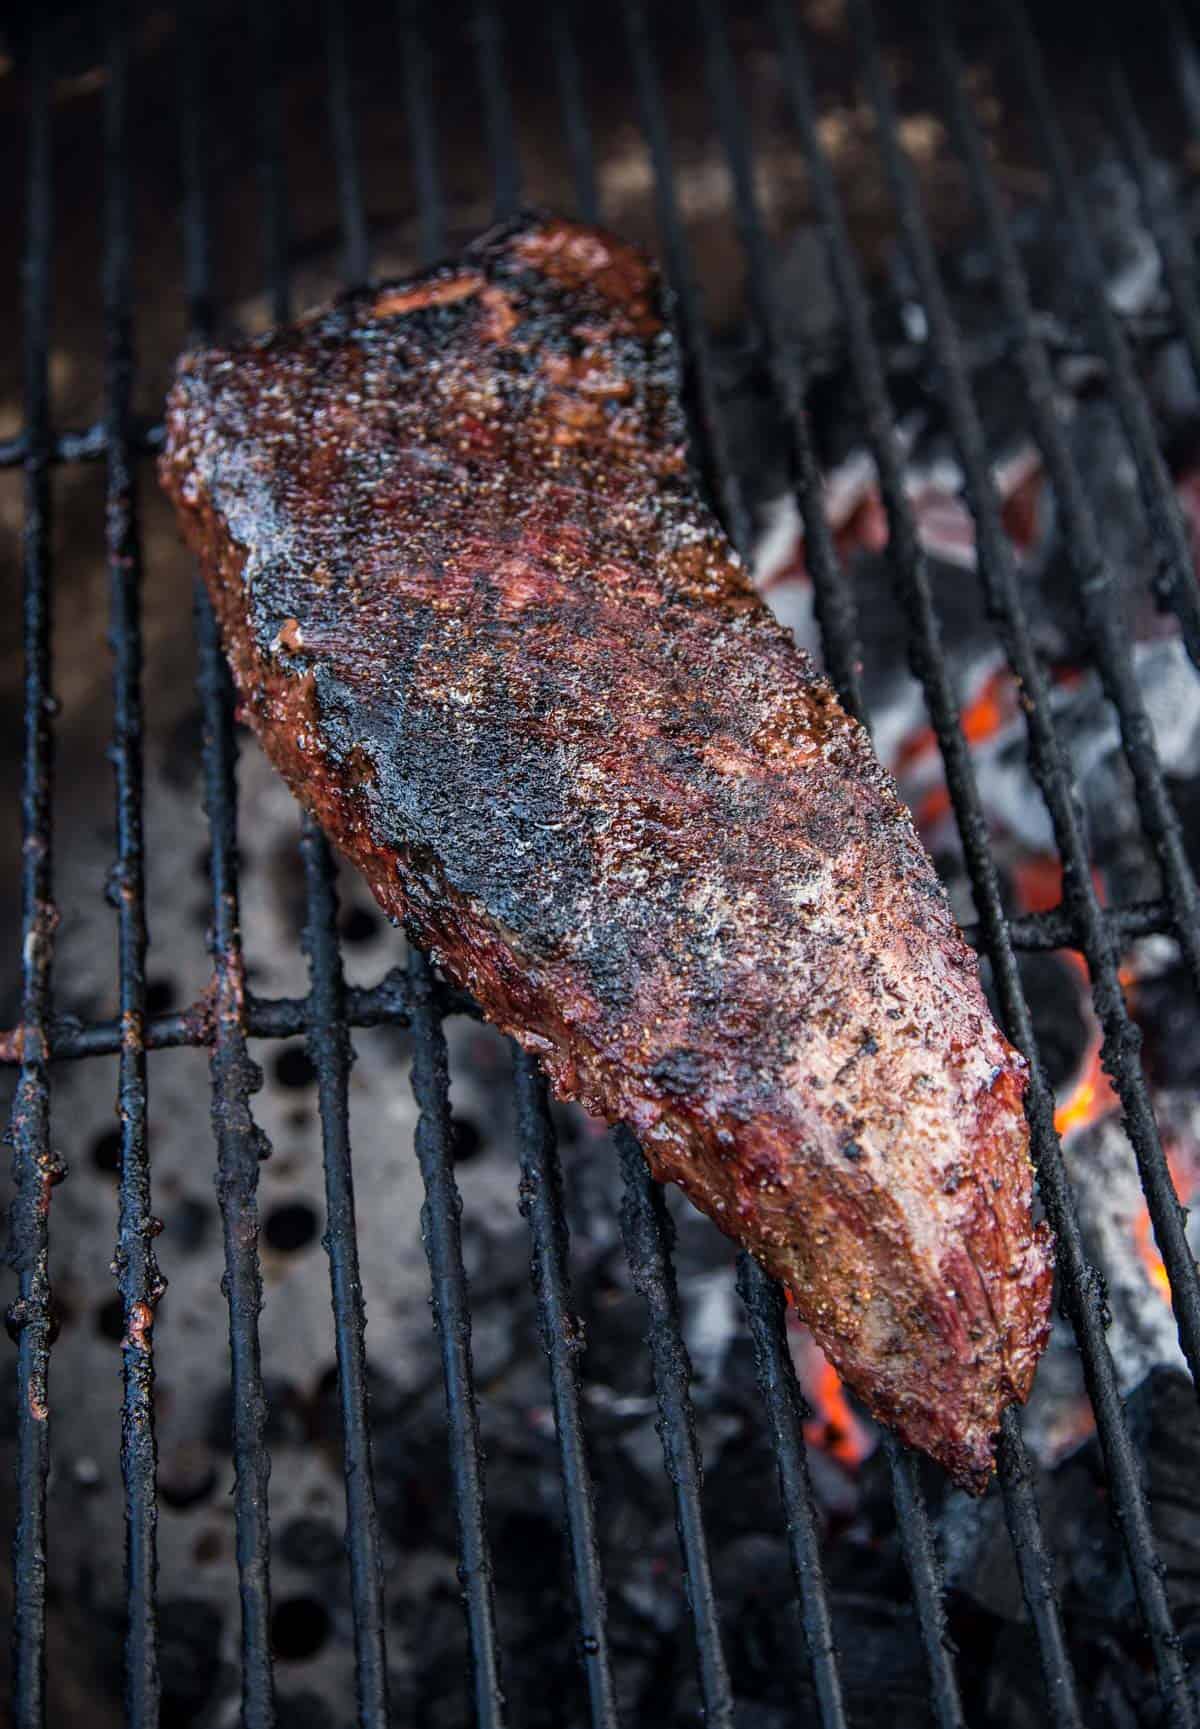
(487, 629)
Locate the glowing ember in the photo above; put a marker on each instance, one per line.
(1038, 879)
(995, 704)
(933, 807)
(1144, 1233)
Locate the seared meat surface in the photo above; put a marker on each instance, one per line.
(488, 631)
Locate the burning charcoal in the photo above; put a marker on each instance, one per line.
(1014, 1694)
(1166, 1431)
(1059, 286)
(877, 1639)
(1100, 1610)
(1130, 258)
(1052, 990)
(497, 1261)
(977, 1559)
(1118, 1236)
(1093, 1577)
(809, 325)
(1166, 1012)
(740, 1486)
(615, 1324)
(1106, 470)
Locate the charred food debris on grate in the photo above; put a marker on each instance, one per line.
(1127, 897)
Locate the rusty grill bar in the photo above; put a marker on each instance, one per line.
(230, 1014)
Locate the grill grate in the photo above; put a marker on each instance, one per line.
(230, 1015)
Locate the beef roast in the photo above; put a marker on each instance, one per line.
(485, 626)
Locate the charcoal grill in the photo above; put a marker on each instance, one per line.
(230, 1013)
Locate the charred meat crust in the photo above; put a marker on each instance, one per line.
(486, 628)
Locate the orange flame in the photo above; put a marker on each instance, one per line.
(1143, 1230)
(1091, 1098)
(1092, 1095)
(833, 1426)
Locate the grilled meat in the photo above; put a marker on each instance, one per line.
(490, 634)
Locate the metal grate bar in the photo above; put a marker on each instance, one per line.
(965, 130)
(272, 175)
(1056, 929)
(418, 91)
(929, 662)
(34, 1166)
(925, 1571)
(497, 109)
(998, 573)
(434, 1139)
(562, 1340)
(785, 1419)
(1176, 578)
(716, 470)
(452, 1315)
(833, 597)
(1184, 59)
(329, 1047)
(328, 1037)
(138, 1277)
(1036, 1569)
(197, 233)
(356, 247)
(649, 1235)
(576, 127)
(240, 1143)
(1161, 211)
(839, 633)
(240, 1146)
